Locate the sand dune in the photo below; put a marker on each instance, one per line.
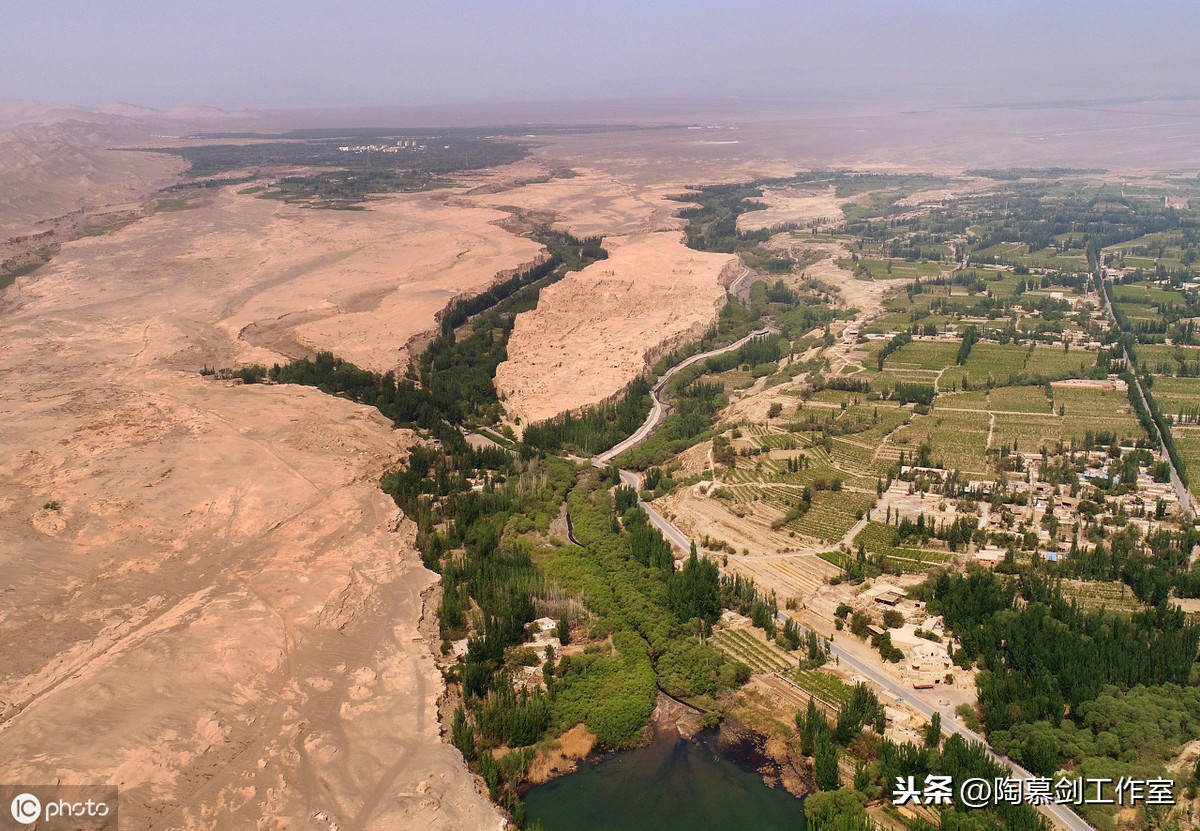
(598, 329)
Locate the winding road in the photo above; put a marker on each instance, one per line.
(660, 409)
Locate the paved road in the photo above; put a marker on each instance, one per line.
(658, 411)
(1181, 490)
(740, 288)
(1061, 815)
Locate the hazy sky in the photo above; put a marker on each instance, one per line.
(270, 53)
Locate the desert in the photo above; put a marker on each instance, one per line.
(255, 590)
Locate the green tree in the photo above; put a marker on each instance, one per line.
(862, 777)
(695, 591)
(1040, 753)
(825, 764)
(933, 731)
(564, 629)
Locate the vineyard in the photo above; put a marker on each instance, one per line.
(1116, 597)
(923, 355)
(833, 514)
(876, 538)
(1020, 400)
(958, 440)
(1174, 394)
(973, 400)
(828, 688)
(755, 653)
(1187, 443)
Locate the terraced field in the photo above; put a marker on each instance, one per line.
(792, 577)
(771, 469)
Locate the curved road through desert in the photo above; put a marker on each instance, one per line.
(659, 410)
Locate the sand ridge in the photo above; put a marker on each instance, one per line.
(597, 329)
(591, 202)
(792, 205)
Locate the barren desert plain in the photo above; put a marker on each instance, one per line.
(207, 599)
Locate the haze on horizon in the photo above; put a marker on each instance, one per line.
(272, 54)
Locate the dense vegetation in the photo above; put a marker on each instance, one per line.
(1048, 666)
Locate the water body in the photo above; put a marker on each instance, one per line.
(671, 784)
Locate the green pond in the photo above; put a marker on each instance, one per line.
(671, 784)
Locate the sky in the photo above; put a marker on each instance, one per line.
(268, 54)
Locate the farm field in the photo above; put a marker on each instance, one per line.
(1093, 411)
(926, 355)
(1145, 293)
(1187, 442)
(825, 686)
(1019, 399)
(1176, 394)
(1001, 362)
(900, 269)
(1137, 311)
(957, 440)
(972, 400)
(921, 361)
(1116, 597)
(833, 513)
(753, 651)
(876, 538)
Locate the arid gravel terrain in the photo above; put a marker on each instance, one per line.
(208, 600)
